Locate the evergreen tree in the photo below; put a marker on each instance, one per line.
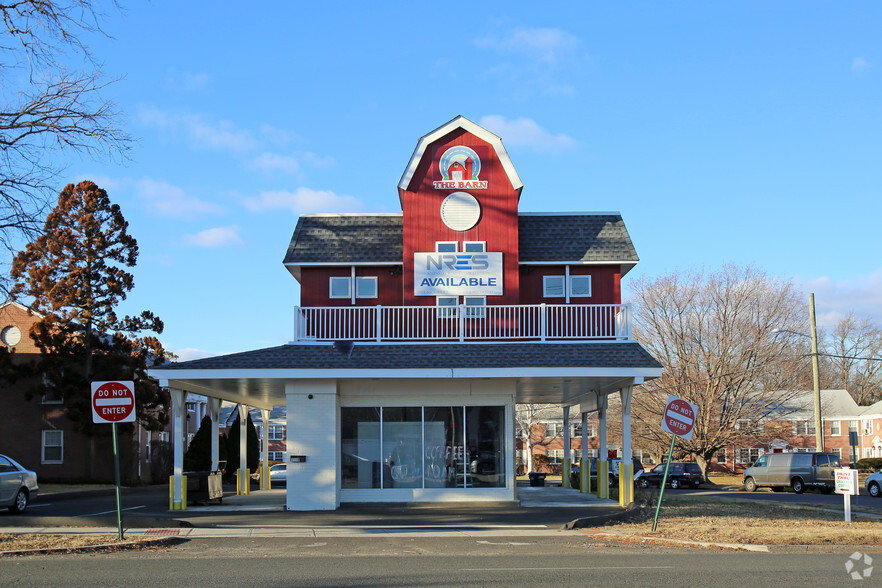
(76, 274)
(198, 456)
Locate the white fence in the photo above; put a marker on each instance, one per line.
(538, 322)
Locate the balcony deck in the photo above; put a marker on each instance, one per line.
(529, 322)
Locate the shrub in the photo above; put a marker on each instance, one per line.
(869, 464)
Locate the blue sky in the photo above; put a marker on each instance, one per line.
(746, 132)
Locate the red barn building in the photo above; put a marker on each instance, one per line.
(418, 332)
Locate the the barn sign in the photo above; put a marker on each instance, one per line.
(459, 168)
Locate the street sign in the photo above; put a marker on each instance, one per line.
(113, 402)
(679, 417)
(846, 481)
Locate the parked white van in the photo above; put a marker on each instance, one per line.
(794, 470)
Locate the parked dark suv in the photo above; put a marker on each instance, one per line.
(680, 474)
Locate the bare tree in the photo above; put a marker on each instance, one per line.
(854, 350)
(712, 332)
(47, 108)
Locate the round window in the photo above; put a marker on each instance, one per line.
(10, 335)
(460, 211)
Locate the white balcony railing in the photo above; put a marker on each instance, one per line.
(537, 322)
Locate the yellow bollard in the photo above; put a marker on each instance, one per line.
(602, 478)
(171, 494)
(243, 485)
(626, 483)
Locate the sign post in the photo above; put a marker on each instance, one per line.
(847, 485)
(678, 420)
(114, 402)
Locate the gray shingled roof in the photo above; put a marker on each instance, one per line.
(373, 238)
(442, 355)
(574, 237)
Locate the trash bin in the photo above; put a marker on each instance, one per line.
(537, 479)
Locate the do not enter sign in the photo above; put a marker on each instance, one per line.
(113, 402)
(679, 417)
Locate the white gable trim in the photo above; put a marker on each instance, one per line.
(468, 126)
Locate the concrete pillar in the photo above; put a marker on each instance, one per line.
(264, 462)
(244, 482)
(179, 406)
(603, 452)
(313, 437)
(214, 413)
(626, 467)
(585, 468)
(567, 461)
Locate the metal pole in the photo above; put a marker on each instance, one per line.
(116, 475)
(819, 424)
(664, 481)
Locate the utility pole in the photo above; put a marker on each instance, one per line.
(819, 424)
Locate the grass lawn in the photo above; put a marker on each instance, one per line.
(706, 518)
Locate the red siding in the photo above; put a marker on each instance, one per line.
(605, 284)
(315, 286)
(498, 225)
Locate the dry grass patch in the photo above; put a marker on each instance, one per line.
(29, 541)
(753, 523)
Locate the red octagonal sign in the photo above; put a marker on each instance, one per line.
(113, 402)
(679, 417)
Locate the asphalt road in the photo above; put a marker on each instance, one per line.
(570, 560)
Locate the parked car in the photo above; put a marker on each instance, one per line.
(680, 474)
(18, 486)
(793, 470)
(874, 484)
(278, 475)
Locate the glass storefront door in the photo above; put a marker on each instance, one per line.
(423, 447)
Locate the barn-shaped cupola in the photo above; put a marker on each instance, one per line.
(459, 194)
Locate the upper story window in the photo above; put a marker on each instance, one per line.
(341, 288)
(365, 287)
(566, 287)
(446, 246)
(276, 433)
(835, 428)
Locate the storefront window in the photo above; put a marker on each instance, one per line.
(486, 449)
(423, 447)
(443, 455)
(360, 447)
(402, 440)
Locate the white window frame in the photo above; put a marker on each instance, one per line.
(867, 427)
(148, 448)
(835, 428)
(474, 246)
(276, 433)
(163, 436)
(445, 246)
(563, 286)
(837, 451)
(44, 446)
(475, 306)
(364, 280)
(555, 456)
(571, 292)
(853, 425)
(339, 279)
(722, 455)
(447, 310)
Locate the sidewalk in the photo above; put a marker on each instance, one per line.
(262, 513)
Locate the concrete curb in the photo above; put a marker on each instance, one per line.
(631, 511)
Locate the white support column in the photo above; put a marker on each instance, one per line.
(179, 406)
(214, 412)
(313, 440)
(585, 466)
(565, 467)
(626, 466)
(264, 462)
(244, 482)
(603, 452)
